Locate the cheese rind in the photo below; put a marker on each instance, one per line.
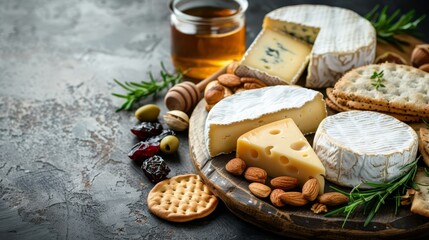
(363, 146)
(342, 39)
(282, 150)
(276, 57)
(239, 113)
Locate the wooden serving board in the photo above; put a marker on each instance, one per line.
(299, 222)
(291, 221)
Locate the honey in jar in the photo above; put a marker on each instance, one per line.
(207, 35)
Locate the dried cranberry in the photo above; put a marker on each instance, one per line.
(155, 168)
(143, 150)
(159, 137)
(147, 129)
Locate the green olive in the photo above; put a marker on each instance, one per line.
(169, 144)
(148, 113)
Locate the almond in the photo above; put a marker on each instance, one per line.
(333, 199)
(255, 174)
(420, 55)
(260, 190)
(293, 198)
(310, 189)
(275, 197)
(235, 166)
(229, 80)
(284, 182)
(232, 67)
(214, 94)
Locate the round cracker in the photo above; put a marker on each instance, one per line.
(181, 198)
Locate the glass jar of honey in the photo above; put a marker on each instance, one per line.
(207, 34)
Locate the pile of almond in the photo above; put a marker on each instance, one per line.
(227, 84)
(282, 190)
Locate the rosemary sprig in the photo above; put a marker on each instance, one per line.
(387, 27)
(377, 78)
(136, 91)
(373, 198)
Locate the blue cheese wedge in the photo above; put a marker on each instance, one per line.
(364, 146)
(242, 112)
(276, 57)
(342, 40)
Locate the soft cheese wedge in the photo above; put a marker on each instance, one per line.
(242, 112)
(277, 55)
(282, 150)
(364, 146)
(342, 40)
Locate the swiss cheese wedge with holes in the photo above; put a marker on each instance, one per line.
(181, 198)
(282, 150)
(403, 89)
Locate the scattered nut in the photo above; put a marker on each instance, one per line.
(232, 67)
(147, 113)
(176, 120)
(408, 197)
(275, 198)
(255, 174)
(310, 189)
(214, 94)
(420, 55)
(293, 198)
(235, 166)
(390, 57)
(333, 199)
(424, 67)
(252, 86)
(319, 208)
(239, 90)
(260, 190)
(252, 80)
(229, 80)
(209, 107)
(284, 182)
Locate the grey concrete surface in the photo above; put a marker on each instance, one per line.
(64, 173)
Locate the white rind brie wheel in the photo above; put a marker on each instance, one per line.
(343, 39)
(364, 146)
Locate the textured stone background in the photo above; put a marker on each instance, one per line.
(64, 173)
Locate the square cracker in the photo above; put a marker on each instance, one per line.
(420, 204)
(405, 88)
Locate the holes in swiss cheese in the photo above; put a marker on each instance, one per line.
(254, 153)
(268, 150)
(292, 169)
(284, 160)
(274, 131)
(299, 146)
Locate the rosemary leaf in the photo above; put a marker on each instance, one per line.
(376, 197)
(138, 90)
(388, 27)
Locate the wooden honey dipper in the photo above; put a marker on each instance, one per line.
(185, 95)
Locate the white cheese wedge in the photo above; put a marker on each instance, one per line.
(364, 146)
(276, 57)
(239, 113)
(341, 40)
(282, 150)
